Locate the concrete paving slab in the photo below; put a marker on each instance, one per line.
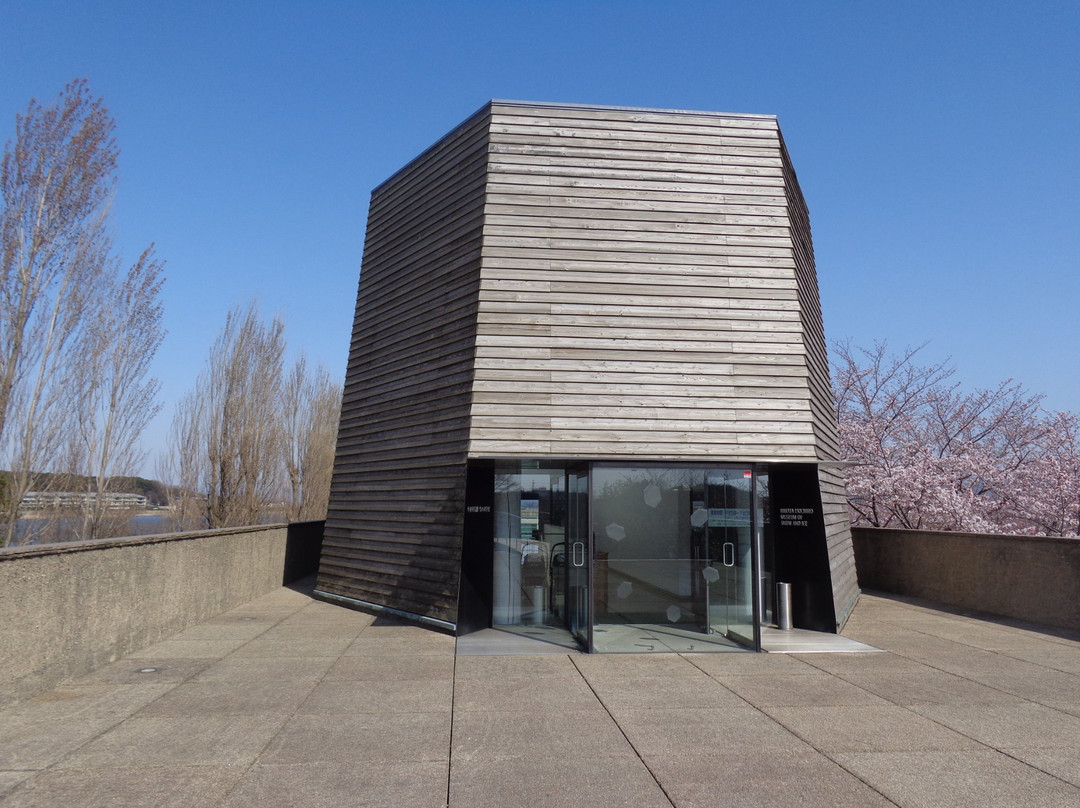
(135, 671)
(935, 687)
(271, 611)
(291, 632)
(417, 645)
(823, 690)
(72, 702)
(936, 651)
(470, 667)
(867, 729)
(630, 665)
(497, 642)
(788, 777)
(37, 733)
(390, 696)
(227, 698)
(1059, 656)
(986, 638)
(244, 670)
(959, 779)
(108, 734)
(660, 692)
(272, 648)
(1070, 707)
(363, 667)
(878, 634)
(39, 744)
(1013, 726)
(1061, 763)
(552, 736)
(8, 780)
(161, 787)
(235, 629)
(749, 664)
(334, 785)
(389, 628)
(664, 733)
(188, 649)
(524, 693)
(352, 624)
(863, 663)
(186, 741)
(593, 781)
(297, 596)
(318, 609)
(361, 738)
(1030, 682)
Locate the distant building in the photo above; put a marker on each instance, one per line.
(78, 500)
(588, 391)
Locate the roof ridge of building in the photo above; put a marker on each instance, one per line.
(622, 108)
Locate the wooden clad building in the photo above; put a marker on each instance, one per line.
(588, 388)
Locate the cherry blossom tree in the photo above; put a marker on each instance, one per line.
(925, 454)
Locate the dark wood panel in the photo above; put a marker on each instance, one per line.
(393, 531)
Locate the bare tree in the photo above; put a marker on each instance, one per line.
(311, 406)
(56, 181)
(233, 420)
(181, 466)
(117, 396)
(247, 443)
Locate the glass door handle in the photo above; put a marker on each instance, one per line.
(577, 556)
(729, 554)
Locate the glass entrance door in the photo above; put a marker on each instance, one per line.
(640, 558)
(728, 572)
(579, 559)
(672, 558)
(541, 564)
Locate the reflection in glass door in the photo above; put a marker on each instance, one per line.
(540, 570)
(672, 558)
(579, 558)
(625, 558)
(729, 568)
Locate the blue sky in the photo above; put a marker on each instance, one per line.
(937, 144)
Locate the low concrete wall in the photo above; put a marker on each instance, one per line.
(1028, 578)
(66, 609)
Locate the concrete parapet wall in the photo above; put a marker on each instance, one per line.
(66, 609)
(1024, 577)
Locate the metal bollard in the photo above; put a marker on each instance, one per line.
(783, 606)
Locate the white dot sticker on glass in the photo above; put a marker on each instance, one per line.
(615, 532)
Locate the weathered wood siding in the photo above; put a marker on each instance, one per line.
(573, 282)
(639, 291)
(393, 532)
(834, 506)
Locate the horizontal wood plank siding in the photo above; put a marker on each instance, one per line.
(393, 532)
(574, 282)
(833, 494)
(639, 293)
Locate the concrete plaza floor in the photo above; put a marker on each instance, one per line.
(286, 701)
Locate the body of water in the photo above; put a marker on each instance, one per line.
(46, 530)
